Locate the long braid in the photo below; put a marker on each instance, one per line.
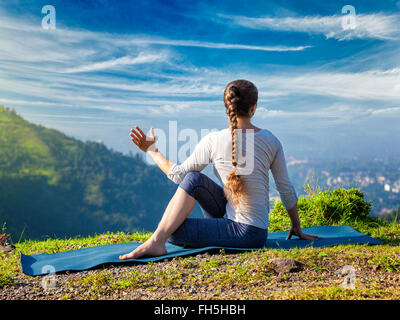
(234, 185)
(239, 97)
(232, 115)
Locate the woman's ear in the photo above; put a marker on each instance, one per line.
(253, 110)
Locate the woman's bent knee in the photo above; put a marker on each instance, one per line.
(191, 181)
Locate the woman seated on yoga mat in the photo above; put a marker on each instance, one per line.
(237, 214)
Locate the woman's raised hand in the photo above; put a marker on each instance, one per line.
(143, 142)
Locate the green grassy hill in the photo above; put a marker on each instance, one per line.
(55, 185)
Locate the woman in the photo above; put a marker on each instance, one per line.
(236, 215)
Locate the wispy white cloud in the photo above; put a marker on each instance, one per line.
(5, 101)
(378, 85)
(375, 26)
(334, 114)
(171, 108)
(268, 113)
(123, 61)
(385, 111)
(213, 45)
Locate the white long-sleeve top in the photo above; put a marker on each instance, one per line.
(261, 151)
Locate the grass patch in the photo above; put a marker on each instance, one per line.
(6, 279)
(387, 263)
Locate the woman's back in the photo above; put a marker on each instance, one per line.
(258, 152)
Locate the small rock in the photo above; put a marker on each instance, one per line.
(284, 265)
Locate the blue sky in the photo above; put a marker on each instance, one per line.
(110, 65)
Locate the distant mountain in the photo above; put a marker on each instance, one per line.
(55, 185)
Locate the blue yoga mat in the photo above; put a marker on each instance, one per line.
(87, 258)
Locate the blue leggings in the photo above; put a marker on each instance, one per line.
(214, 230)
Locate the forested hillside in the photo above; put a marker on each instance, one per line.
(55, 185)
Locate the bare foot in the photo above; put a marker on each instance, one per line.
(149, 248)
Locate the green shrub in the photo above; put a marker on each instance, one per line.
(338, 207)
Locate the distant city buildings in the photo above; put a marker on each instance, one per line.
(384, 211)
(292, 161)
(381, 179)
(389, 188)
(378, 179)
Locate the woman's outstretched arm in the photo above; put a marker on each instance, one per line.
(163, 163)
(197, 161)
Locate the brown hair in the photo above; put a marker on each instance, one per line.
(239, 97)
